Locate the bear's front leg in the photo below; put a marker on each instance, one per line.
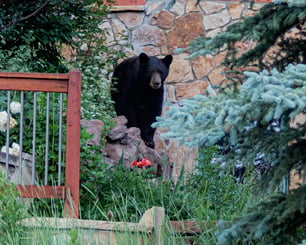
(128, 111)
(147, 135)
(145, 119)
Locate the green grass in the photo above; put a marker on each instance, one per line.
(210, 194)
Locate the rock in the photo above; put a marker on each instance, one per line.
(163, 19)
(191, 6)
(150, 50)
(134, 134)
(94, 128)
(180, 35)
(178, 7)
(248, 13)
(20, 174)
(216, 76)
(149, 35)
(119, 30)
(131, 19)
(213, 21)
(117, 133)
(202, 65)
(180, 70)
(126, 144)
(213, 32)
(211, 7)
(120, 120)
(235, 10)
(187, 90)
(170, 93)
(219, 58)
(151, 7)
(181, 156)
(107, 28)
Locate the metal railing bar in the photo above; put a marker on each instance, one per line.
(60, 139)
(34, 138)
(21, 133)
(7, 140)
(47, 139)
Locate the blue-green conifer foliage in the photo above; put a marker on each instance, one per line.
(244, 118)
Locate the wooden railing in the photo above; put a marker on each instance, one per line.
(69, 84)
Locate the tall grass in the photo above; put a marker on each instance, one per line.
(122, 194)
(209, 194)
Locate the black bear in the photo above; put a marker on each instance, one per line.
(138, 91)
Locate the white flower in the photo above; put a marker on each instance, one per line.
(84, 47)
(15, 150)
(15, 107)
(3, 121)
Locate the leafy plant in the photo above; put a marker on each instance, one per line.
(96, 58)
(38, 27)
(27, 125)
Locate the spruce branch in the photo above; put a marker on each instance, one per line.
(276, 219)
(264, 97)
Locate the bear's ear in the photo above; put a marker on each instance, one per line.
(143, 58)
(167, 60)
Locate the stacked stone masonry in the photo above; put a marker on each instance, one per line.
(158, 30)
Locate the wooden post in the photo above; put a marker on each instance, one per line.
(72, 173)
(158, 220)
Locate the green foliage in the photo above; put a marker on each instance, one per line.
(11, 211)
(216, 188)
(243, 119)
(264, 97)
(17, 60)
(38, 26)
(33, 43)
(32, 53)
(280, 219)
(95, 64)
(125, 193)
(74, 237)
(96, 58)
(27, 122)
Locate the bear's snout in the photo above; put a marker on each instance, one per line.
(155, 81)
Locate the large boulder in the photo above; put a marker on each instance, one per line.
(125, 144)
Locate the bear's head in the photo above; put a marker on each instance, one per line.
(156, 70)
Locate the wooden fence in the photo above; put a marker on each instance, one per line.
(152, 229)
(69, 84)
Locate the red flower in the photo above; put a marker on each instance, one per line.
(145, 162)
(134, 163)
(141, 163)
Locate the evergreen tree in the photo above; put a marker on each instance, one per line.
(244, 118)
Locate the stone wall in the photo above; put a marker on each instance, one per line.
(158, 31)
